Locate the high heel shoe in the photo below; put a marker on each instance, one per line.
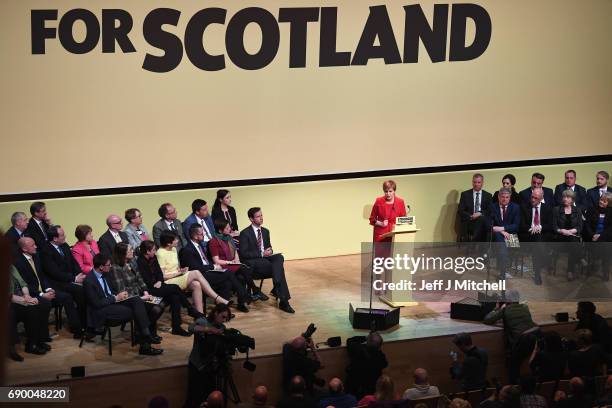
(222, 302)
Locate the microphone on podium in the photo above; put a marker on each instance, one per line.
(408, 208)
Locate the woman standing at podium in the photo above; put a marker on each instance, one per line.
(385, 210)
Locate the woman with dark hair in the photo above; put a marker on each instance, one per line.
(135, 230)
(508, 181)
(182, 277)
(151, 273)
(567, 225)
(224, 254)
(222, 210)
(125, 277)
(86, 248)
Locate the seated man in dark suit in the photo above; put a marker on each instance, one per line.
(169, 221)
(62, 270)
(195, 257)
(505, 220)
(200, 216)
(112, 236)
(256, 251)
(39, 223)
(536, 227)
(601, 187)
(537, 181)
(19, 222)
(30, 268)
(104, 304)
(570, 184)
(473, 207)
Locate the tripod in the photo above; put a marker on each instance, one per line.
(224, 380)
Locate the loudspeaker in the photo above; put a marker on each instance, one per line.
(77, 371)
(470, 309)
(562, 317)
(379, 319)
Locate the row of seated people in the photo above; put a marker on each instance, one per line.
(531, 216)
(56, 274)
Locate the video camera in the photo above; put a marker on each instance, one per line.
(235, 340)
(309, 331)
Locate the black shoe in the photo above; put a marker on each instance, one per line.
(286, 307)
(180, 332)
(248, 299)
(14, 355)
(47, 340)
(259, 295)
(44, 346)
(273, 292)
(35, 349)
(147, 350)
(243, 308)
(194, 313)
(155, 339)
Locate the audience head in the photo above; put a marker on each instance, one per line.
(38, 210)
(83, 233)
(159, 402)
(101, 263)
(133, 216)
(298, 343)
(335, 386)
(374, 340)
(196, 232)
(389, 188)
(528, 384)
(255, 216)
(584, 338)
(504, 196)
(147, 249)
(477, 180)
(605, 200)
(508, 181)
(576, 385)
(222, 226)
(19, 220)
(459, 403)
(219, 314)
(56, 235)
(199, 208)
(570, 178)
(537, 194)
(512, 296)
(537, 180)
(224, 197)
(385, 389)
(420, 376)
(585, 310)
(27, 245)
(463, 341)
(260, 395)
(602, 178)
(215, 400)
(568, 197)
(114, 223)
(168, 239)
(297, 385)
(122, 253)
(167, 212)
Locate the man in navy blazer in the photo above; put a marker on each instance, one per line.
(113, 235)
(537, 228)
(39, 223)
(169, 221)
(537, 181)
(570, 184)
(19, 222)
(256, 251)
(505, 219)
(473, 208)
(593, 194)
(200, 216)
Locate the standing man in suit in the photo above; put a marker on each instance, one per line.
(200, 216)
(105, 304)
(256, 251)
(536, 227)
(473, 207)
(39, 223)
(168, 221)
(601, 187)
(537, 181)
(19, 222)
(505, 220)
(570, 184)
(62, 270)
(113, 235)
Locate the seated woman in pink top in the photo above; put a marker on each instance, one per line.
(86, 248)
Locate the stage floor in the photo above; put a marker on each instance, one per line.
(322, 290)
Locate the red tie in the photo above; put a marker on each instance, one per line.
(202, 254)
(536, 217)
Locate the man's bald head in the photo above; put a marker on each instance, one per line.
(299, 343)
(260, 396)
(27, 245)
(336, 386)
(297, 385)
(576, 385)
(215, 400)
(420, 376)
(114, 222)
(374, 340)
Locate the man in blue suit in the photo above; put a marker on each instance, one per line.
(201, 216)
(570, 184)
(593, 194)
(537, 180)
(505, 219)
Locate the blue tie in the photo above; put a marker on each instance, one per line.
(106, 289)
(59, 249)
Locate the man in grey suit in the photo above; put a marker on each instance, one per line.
(168, 221)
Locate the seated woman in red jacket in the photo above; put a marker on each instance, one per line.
(86, 248)
(224, 254)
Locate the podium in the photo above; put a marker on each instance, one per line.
(402, 233)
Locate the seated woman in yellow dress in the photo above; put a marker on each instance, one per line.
(173, 274)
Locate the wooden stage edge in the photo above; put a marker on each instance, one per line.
(322, 289)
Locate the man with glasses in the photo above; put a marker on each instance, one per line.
(106, 304)
(113, 235)
(169, 221)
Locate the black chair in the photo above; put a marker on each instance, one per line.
(57, 311)
(107, 331)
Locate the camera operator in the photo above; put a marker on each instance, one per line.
(208, 355)
(473, 369)
(367, 362)
(298, 361)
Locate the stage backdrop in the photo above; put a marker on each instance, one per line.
(542, 88)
